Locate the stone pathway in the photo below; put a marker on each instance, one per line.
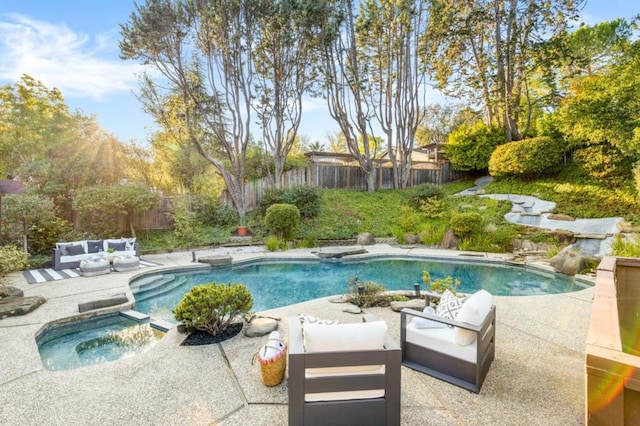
(594, 236)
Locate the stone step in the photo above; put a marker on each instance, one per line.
(134, 315)
(592, 236)
(162, 325)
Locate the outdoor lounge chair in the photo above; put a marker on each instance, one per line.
(438, 352)
(355, 381)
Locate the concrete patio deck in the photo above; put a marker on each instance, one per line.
(537, 377)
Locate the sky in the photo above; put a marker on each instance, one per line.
(73, 45)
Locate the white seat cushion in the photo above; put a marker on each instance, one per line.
(440, 340)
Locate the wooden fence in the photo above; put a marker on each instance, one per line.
(328, 176)
(333, 176)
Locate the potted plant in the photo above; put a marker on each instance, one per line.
(242, 228)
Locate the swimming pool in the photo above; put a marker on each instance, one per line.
(279, 283)
(274, 284)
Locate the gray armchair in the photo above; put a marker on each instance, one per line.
(342, 387)
(434, 351)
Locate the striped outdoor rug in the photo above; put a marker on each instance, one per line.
(43, 275)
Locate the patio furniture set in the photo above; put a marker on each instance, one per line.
(97, 257)
(350, 373)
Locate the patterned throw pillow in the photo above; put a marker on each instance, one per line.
(449, 305)
(306, 319)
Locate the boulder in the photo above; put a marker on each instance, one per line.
(14, 305)
(353, 309)
(8, 291)
(564, 236)
(260, 327)
(338, 299)
(625, 227)
(449, 241)
(571, 261)
(411, 239)
(365, 239)
(397, 306)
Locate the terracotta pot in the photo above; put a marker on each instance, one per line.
(242, 231)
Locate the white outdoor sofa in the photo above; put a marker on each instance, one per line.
(68, 255)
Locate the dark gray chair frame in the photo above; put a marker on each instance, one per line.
(444, 366)
(372, 411)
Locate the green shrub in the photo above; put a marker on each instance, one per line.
(308, 199)
(470, 147)
(528, 158)
(213, 307)
(464, 224)
(424, 192)
(440, 285)
(273, 243)
(605, 162)
(625, 247)
(372, 294)
(282, 220)
(43, 236)
(12, 259)
(225, 216)
(433, 208)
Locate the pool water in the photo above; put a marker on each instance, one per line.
(276, 284)
(94, 341)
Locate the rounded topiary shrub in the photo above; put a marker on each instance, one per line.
(470, 147)
(526, 158)
(465, 224)
(213, 307)
(282, 220)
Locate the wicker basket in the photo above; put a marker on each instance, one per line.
(272, 370)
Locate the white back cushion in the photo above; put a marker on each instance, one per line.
(474, 310)
(344, 337)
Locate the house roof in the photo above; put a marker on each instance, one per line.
(8, 186)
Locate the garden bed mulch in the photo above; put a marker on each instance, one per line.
(198, 337)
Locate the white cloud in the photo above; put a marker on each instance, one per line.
(59, 57)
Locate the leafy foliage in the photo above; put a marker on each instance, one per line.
(306, 198)
(371, 295)
(12, 259)
(529, 158)
(625, 247)
(466, 224)
(440, 285)
(606, 162)
(282, 220)
(96, 206)
(213, 307)
(469, 148)
(425, 192)
(27, 210)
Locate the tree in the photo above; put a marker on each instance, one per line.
(204, 51)
(345, 85)
(97, 206)
(438, 121)
(286, 67)
(483, 49)
(25, 210)
(389, 34)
